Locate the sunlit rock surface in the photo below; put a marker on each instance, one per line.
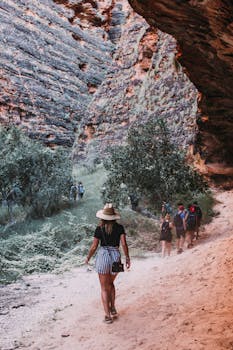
(91, 68)
(50, 66)
(85, 70)
(144, 81)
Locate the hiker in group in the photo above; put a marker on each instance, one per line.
(134, 200)
(110, 235)
(166, 235)
(73, 192)
(199, 217)
(81, 190)
(180, 225)
(166, 209)
(191, 225)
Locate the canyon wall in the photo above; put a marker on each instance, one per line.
(204, 31)
(143, 82)
(50, 66)
(89, 69)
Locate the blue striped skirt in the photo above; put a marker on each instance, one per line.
(104, 259)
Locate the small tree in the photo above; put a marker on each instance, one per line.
(150, 164)
(42, 174)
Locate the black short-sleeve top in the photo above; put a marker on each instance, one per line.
(112, 239)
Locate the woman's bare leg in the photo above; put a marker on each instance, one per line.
(169, 247)
(163, 248)
(106, 290)
(113, 292)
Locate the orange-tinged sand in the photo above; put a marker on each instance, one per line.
(183, 302)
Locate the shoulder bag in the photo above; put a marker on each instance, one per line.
(117, 266)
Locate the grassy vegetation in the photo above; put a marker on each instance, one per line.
(60, 242)
(35, 176)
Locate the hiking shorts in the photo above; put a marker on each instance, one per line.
(180, 232)
(105, 257)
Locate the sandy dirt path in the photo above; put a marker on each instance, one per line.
(183, 302)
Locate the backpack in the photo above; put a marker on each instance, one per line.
(73, 189)
(80, 189)
(168, 208)
(192, 221)
(178, 221)
(165, 227)
(199, 212)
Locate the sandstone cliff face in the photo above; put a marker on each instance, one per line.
(143, 81)
(51, 64)
(204, 30)
(93, 66)
(96, 66)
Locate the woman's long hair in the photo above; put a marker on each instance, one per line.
(108, 225)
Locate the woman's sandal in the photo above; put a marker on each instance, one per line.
(113, 312)
(108, 319)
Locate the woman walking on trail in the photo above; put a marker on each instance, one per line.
(110, 234)
(166, 235)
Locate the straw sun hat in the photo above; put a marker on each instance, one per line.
(107, 213)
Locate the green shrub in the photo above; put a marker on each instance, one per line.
(42, 174)
(150, 165)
